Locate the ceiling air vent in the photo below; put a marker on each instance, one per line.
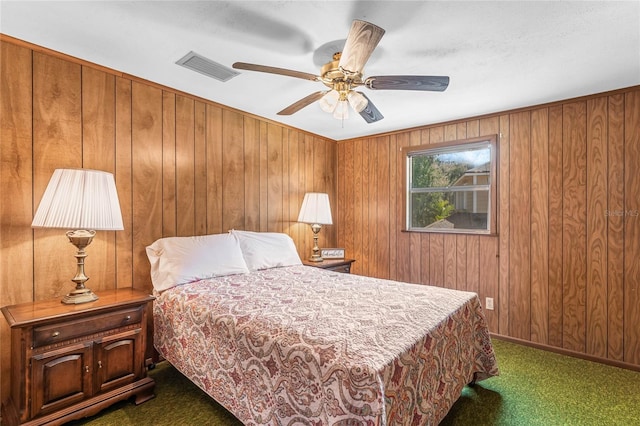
(206, 66)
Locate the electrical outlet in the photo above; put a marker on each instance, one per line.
(488, 304)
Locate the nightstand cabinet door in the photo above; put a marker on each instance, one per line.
(61, 378)
(71, 361)
(119, 360)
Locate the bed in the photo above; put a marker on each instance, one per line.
(279, 343)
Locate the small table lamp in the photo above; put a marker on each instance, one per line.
(84, 201)
(315, 211)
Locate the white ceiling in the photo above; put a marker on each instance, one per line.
(499, 55)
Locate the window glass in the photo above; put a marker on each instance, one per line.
(450, 187)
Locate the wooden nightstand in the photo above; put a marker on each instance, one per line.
(71, 361)
(338, 265)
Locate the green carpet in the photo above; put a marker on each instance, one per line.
(535, 387)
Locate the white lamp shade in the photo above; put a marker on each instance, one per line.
(80, 199)
(315, 209)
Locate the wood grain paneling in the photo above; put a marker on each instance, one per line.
(422, 258)
(275, 178)
(403, 253)
(357, 206)
(213, 119)
(329, 159)
(169, 197)
(146, 185)
(461, 262)
(233, 171)
(559, 270)
(264, 177)
(182, 166)
(16, 180)
(596, 308)
(57, 143)
(305, 242)
(555, 227)
(488, 279)
(395, 205)
(16, 210)
(450, 271)
(252, 174)
(368, 190)
(185, 166)
(435, 271)
(520, 226)
(473, 263)
(99, 152)
(294, 192)
(174, 156)
(200, 169)
(123, 177)
(632, 228)
(383, 207)
(504, 225)
(574, 227)
(540, 226)
(615, 228)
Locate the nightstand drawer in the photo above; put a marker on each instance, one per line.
(337, 265)
(346, 269)
(49, 334)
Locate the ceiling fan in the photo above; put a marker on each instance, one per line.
(344, 73)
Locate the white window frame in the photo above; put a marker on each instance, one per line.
(451, 147)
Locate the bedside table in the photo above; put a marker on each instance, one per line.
(71, 361)
(338, 265)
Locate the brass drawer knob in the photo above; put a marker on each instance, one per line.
(55, 334)
(127, 318)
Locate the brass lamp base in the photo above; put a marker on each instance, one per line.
(78, 296)
(315, 254)
(81, 239)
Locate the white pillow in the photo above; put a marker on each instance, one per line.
(180, 260)
(263, 250)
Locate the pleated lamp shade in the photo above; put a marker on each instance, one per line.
(315, 209)
(80, 199)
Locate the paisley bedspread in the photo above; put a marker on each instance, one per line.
(305, 346)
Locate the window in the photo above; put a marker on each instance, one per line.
(451, 187)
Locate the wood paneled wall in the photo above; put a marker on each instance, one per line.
(564, 270)
(183, 166)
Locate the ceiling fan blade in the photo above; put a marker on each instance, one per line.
(297, 106)
(370, 113)
(361, 41)
(274, 70)
(408, 82)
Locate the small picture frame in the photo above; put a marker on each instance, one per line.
(332, 253)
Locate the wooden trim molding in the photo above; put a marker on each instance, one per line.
(567, 352)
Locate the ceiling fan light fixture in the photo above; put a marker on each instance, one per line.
(342, 111)
(329, 101)
(357, 101)
(344, 73)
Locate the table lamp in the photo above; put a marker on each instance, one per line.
(83, 201)
(315, 211)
